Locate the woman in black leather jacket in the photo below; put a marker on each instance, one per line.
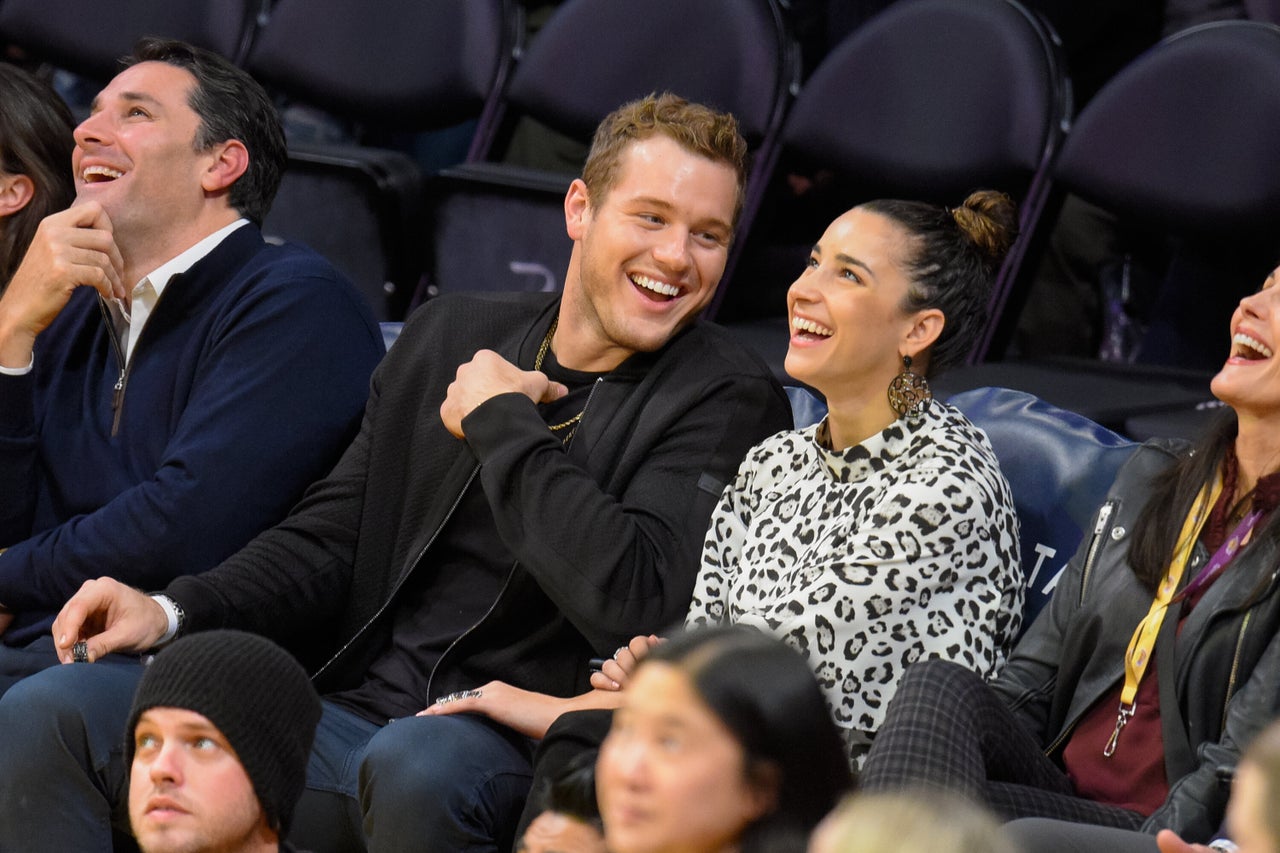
(1156, 660)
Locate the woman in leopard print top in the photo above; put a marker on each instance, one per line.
(877, 537)
(870, 557)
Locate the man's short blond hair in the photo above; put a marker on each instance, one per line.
(697, 128)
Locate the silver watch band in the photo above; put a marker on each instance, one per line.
(173, 611)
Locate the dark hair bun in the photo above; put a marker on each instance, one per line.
(990, 219)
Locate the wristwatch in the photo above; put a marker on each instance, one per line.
(176, 615)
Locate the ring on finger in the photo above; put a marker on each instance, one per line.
(460, 694)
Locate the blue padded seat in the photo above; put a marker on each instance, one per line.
(390, 331)
(1059, 465)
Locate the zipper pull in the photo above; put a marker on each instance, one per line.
(117, 398)
(1104, 515)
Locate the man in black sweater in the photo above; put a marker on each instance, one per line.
(529, 489)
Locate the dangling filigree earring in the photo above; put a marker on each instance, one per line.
(908, 391)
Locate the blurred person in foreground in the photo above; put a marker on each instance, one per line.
(908, 822)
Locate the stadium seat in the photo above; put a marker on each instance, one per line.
(409, 66)
(1059, 466)
(929, 99)
(498, 226)
(88, 37)
(1178, 144)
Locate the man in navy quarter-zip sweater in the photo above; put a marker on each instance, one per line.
(169, 383)
(530, 488)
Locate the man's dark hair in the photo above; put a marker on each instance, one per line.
(573, 791)
(231, 105)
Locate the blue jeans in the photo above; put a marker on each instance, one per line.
(17, 662)
(428, 783)
(64, 782)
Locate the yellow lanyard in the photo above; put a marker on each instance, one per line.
(1138, 655)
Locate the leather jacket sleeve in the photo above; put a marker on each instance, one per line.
(1197, 801)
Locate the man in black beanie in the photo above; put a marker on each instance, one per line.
(218, 739)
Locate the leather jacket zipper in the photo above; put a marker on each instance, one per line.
(1091, 556)
(1248, 608)
(1057, 742)
(590, 396)
(1235, 664)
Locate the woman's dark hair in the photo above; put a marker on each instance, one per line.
(766, 695)
(231, 105)
(957, 254)
(35, 140)
(1173, 491)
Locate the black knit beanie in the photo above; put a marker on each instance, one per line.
(257, 695)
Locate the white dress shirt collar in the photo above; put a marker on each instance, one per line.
(146, 293)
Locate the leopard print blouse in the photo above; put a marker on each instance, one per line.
(869, 558)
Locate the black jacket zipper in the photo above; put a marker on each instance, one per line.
(510, 574)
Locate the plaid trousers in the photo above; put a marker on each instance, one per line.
(946, 728)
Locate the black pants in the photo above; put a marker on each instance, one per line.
(946, 728)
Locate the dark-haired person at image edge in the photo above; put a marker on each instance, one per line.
(1157, 656)
(883, 535)
(531, 483)
(35, 158)
(217, 743)
(170, 384)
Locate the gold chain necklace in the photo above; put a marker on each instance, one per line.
(572, 423)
